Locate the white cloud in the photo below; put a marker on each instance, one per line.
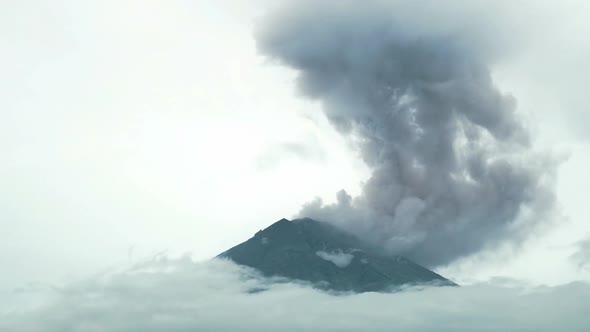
(179, 295)
(339, 258)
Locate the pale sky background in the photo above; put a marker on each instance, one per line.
(129, 128)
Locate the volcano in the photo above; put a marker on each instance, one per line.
(328, 258)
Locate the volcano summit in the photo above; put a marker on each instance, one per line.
(328, 258)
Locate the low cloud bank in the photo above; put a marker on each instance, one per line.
(176, 295)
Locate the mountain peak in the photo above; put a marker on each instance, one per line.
(319, 253)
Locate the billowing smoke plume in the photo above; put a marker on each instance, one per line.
(453, 170)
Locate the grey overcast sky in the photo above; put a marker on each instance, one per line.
(129, 128)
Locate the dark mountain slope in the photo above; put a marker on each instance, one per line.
(316, 252)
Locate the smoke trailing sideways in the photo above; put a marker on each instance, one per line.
(453, 167)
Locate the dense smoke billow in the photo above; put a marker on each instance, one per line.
(453, 166)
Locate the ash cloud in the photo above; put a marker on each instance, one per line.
(454, 169)
(180, 295)
(451, 164)
(582, 255)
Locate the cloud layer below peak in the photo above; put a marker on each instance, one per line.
(180, 295)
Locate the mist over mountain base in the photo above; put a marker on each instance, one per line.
(181, 295)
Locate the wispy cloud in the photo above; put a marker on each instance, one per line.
(180, 295)
(582, 255)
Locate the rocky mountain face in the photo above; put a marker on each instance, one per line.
(319, 253)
